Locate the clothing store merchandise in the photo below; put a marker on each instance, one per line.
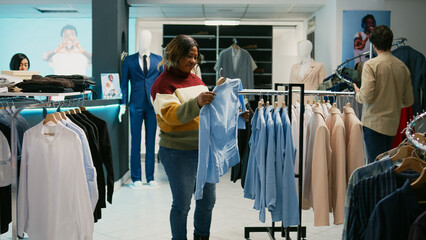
(52, 158)
(174, 97)
(5, 164)
(418, 228)
(239, 171)
(386, 87)
(393, 215)
(5, 192)
(254, 187)
(89, 168)
(270, 178)
(100, 159)
(81, 82)
(416, 63)
(244, 68)
(370, 170)
(354, 141)
(141, 74)
(336, 126)
(218, 129)
(317, 177)
(312, 78)
(342, 101)
(286, 152)
(365, 196)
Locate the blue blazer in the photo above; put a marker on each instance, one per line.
(141, 84)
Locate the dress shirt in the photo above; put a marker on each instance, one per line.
(316, 189)
(367, 193)
(249, 183)
(386, 87)
(218, 128)
(337, 130)
(50, 207)
(394, 214)
(370, 170)
(89, 168)
(148, 61)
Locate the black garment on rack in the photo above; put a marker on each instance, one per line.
(240, 169)
(5, 193)
(105, 151)
(97, 162)
(416, 63)
(45, 88)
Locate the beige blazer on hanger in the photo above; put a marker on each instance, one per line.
(316, 185)
(338, 164)
(354, 141)
(315, 74)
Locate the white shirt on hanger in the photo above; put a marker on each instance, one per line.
(53, 199)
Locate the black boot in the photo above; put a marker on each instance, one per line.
(197, 237)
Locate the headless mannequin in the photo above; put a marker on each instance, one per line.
(145, 38)
(304, 49)
(140, 69)
(307, 71)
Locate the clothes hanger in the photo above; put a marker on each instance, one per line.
(404, 152)
(334, 105)
(82, 108)
(50, 118)
(420, 181)
(410, 163)
(276, 104)
(77, 110)
(72, 111)
(283, 105)
(63, 115)
(58, 116)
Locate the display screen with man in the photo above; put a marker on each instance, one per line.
(69, 57)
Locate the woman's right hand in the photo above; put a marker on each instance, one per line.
(205, 98)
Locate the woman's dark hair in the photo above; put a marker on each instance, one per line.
(177, 49)
(16, 61)
(382, 37)
(68, 27)
(364, 20)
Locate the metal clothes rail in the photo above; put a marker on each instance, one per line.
(14, 140)
(301, 230)
(410, 130)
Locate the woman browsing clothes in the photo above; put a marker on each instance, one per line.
(177, 96)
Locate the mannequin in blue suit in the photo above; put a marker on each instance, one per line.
(140, 106)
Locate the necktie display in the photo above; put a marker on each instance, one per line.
(145, 65)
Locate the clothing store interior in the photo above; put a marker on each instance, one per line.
(212, 119)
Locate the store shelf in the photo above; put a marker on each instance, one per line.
(42, 94)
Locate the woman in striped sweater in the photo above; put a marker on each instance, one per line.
(177, 96)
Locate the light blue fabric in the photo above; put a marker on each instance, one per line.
(249, 184)
(260, 158)
(270, 178)
(290, 201)
(218, 129)
(87, 158)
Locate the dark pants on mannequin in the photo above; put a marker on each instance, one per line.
(376, 143)
(138, 114)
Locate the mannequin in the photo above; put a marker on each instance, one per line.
(142, 75)
(307, 71)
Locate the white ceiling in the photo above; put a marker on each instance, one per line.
(169, 9)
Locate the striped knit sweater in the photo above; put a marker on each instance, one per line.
(174, 97)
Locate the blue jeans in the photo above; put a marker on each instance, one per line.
(376, 143)
(181, 169)
(137, 116)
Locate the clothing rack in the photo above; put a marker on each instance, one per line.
(410, 130)
(14, 139)
(301, 230)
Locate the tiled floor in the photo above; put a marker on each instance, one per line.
(144, 215)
